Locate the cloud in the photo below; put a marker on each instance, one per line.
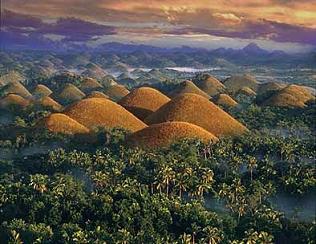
(72, 29)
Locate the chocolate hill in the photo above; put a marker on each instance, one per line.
(12, 76)
(237, 82)
(13, 100)
(89, 84)
(60, 123)
(187, 87)
(143, 101)
(200, 111)
(70, 94)
(225, 101)
(209, 84)
(291, 96)
(97, 94)
(100, 112)
(116, 92)
(164, 134)
(41, 91)
(270, 86)
(16, 88)
(246, 91)
(49, 103)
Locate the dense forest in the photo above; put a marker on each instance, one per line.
(58, 189)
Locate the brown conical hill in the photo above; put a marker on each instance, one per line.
(225, 101)
(94, 71)
(209, 84)
(188, 87)
(116, 92)
(89, 84)
(300, 92)
(291, 96)
(70, 94)
(247, 91)
(60, 123)
(200, 111)
(98, 94)
(237, 82)
(41, 91)
(13, 100)
(164, 134)
(143, 101)
(16, 88)
(269, 87)
(100, 112)
(12, 76)
(48, 102)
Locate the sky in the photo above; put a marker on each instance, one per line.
(288, 25)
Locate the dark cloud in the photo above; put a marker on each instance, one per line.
(72, 29)
(262, 29)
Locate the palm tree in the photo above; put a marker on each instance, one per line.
(185, 239)
(181, 184)
(252, 164)
(100, 179)
(207, 176)
(213, 235)
(39, 182)
(168, 176)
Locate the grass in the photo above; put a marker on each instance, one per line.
(200, 111)
(188, 87)
(143, 101)
(164, 134)
(100, 112)
(61, 123)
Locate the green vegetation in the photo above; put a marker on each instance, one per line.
(56, 189)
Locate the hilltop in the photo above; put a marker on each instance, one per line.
(209, 84)
(187, 87)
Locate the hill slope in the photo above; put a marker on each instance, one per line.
(100, 112)
(164, 134)
(60, 123)
(198, 110)
(143, 101)
(188, 87)
(209, 84)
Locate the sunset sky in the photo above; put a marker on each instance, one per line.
(274, 24)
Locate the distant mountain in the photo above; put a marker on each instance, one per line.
(254, 49)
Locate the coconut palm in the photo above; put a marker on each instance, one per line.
(39, 182)
(252, 164)
(213, 235)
